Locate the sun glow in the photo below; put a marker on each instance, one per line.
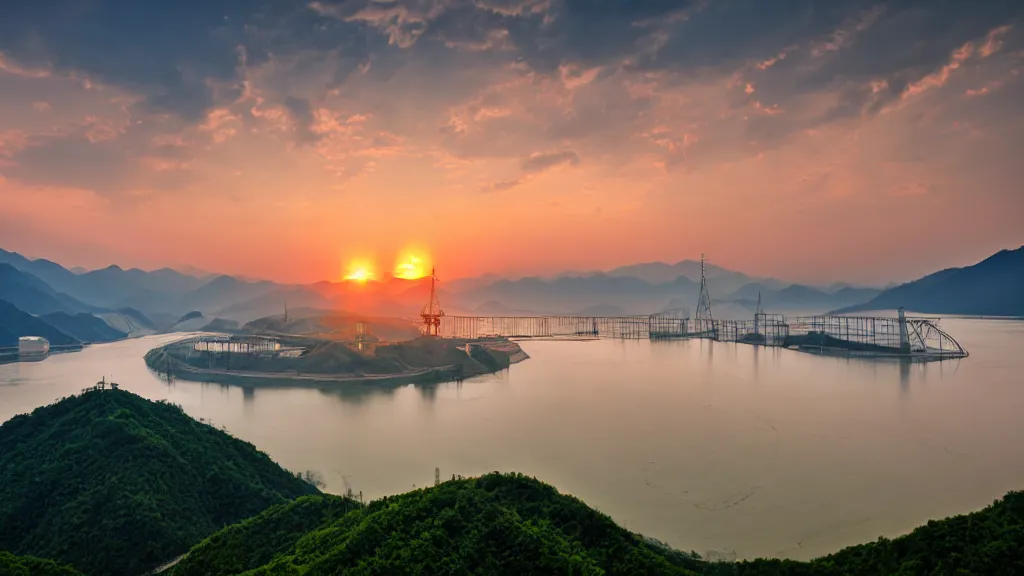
(360, 271)
(412, 264)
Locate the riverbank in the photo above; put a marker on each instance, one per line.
(324, 363)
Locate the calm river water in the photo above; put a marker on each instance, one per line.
(709, 447)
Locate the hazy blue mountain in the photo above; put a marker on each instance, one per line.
(570, 295)
(15, 323)
(111, 287)
(799, 294)
(190, 316)
(194, 272)
(750, 291)
(33, 295)
(220, 325)
(661, 272)
(115, 287)
(797, 297)
(130, 321)
(222, 292)
(990, 287)
(838, 286)
(156, 291)
(26, 292)
(274, 302)
(83, 326)
(460, 285)
(643, 288)
(166, 280)
(54, 275)
(855, 295)
(495, 308)
(600, 310)
(137, 318)
(190, 322)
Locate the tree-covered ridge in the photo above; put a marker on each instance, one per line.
(495, 524)
(510, 524)
(989, 541)
(115, 484)
(257, 540)
(11, 565)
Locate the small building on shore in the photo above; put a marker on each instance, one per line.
(33, 346)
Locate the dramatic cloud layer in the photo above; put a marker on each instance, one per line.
(814, 140)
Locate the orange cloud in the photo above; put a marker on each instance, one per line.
(9, 66)
(993, 41)
(941, 76)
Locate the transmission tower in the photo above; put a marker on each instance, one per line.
(432, 312)
(704, 304)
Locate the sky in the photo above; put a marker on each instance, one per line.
(813, 140)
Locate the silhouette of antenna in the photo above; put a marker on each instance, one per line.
(432, 312)
(704, 304)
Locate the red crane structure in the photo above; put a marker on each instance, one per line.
(432, 312)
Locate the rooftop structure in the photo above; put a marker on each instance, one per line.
(33, 345)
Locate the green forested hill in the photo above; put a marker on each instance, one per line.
(989, 541)
(256, 541)
(510, 524)
(11, 565)
(115, 484)
(496, 524)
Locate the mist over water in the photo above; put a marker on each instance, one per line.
(707, 446)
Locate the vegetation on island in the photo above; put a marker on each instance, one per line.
(112, 483)
(338, 359)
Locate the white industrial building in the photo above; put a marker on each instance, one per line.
(33, 346)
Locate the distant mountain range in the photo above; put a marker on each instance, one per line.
(135, 301)
(33, 295)
(992, 287)
(42, 287)
(628, 295)
(575, 295)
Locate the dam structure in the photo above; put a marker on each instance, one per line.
(900, 337)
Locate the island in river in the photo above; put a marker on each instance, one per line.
(306, 361)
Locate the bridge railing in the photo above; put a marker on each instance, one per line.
(851, 334)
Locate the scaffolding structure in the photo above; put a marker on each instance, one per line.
(236, 344)
(864, 335)
(918, 338)
(432, 312)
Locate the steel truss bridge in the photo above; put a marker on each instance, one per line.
(903, 337)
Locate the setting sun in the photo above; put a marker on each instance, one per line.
(360, 271)
(412, 264)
